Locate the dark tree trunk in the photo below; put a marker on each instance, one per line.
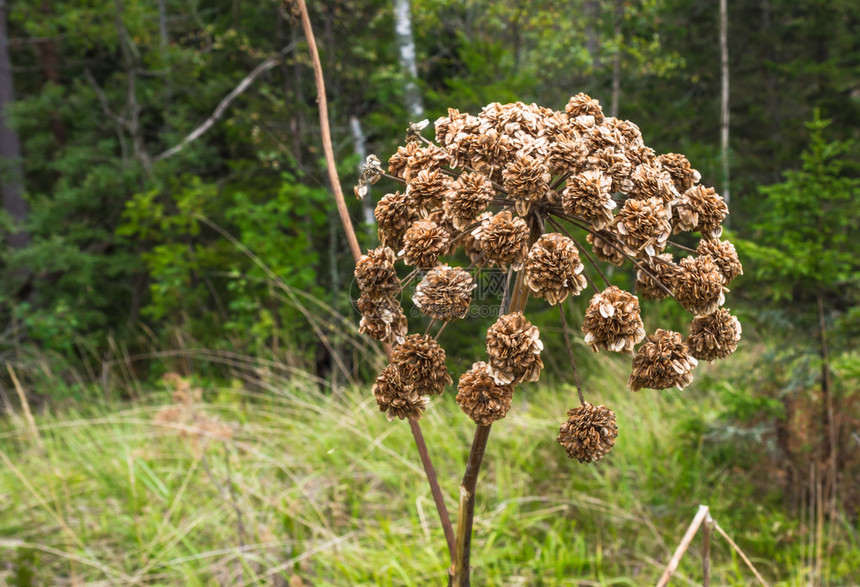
(11, 173)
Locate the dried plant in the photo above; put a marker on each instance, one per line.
(546, 196)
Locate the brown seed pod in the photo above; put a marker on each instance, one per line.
(588, 196)
(589, 433)
(683, 176)
(375, 274)
(584, 105)
(612, 321)
(397, 396)
(394, 214)
(663, 361)
(421, 361)
(481, 398)
(397, 162)
(649, 181)
(526, 180)
(426, 190)
(663, 268)
(503, 239)
(382, 319)
(714, 336)
(700, 209)
(553, 269)
(600, 243)
(445, 293)
(643, 227)
(467, 197)
(423, 243)
(699, 285)
(514, 347)
(724, 255)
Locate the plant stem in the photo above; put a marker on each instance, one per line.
(429, 471)
(466, 515)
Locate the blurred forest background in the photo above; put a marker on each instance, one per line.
(116, 271)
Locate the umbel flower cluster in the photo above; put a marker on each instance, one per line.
(538, 193)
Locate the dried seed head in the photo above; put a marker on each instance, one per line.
(427, 158)
(612, 321)
(588, 195)
(602, 245)
(589, 433)
(663, 361)
(397, 396)
(467, 197)
(481, 398)
(397, 162)
(567, 154)
(426, 189)
(370, 174)
(701, 209)
(514, 347)
(643, 227)
(375, 274)
(683, 176)
(613, 163)
(714, 336)
(584, 105)
(423, 243)
(503, 239)
(394, 214)
(649, 181)
(553, 269)
(699, 285)
(421, 361)
(724, 255)
(382, 319)
(526, 180)
(663, 268)
(444, 293)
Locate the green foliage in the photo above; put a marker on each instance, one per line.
(805, 239)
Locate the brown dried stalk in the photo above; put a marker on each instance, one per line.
(348, 229)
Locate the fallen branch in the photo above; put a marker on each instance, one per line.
(225, 103)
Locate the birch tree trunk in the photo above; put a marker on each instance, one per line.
(11, 172)
(724, 98)
(408, 59)
(360, 144)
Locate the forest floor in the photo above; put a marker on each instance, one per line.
(285, 485)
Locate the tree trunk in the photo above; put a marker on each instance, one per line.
(592, 22)
(408, 58)
(616, 59)
(11, 172)
(724, 98)
(360, 143)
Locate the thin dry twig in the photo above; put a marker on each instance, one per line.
(683, 546)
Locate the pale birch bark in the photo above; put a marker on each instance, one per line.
(408, 57)
(360, 144)
(616, 60)
(724, 98)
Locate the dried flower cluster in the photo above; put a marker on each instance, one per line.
(537, 193)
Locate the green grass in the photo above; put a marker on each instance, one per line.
(324, 488)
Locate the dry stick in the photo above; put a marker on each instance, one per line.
(441, 329)
(682, 547)
(570, 353)
(326, 134)
(682, 247)
(706, 551)
(356, 253)
(740, 553)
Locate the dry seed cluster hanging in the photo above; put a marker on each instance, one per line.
(509, 186)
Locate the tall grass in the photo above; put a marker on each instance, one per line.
(322, 490)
